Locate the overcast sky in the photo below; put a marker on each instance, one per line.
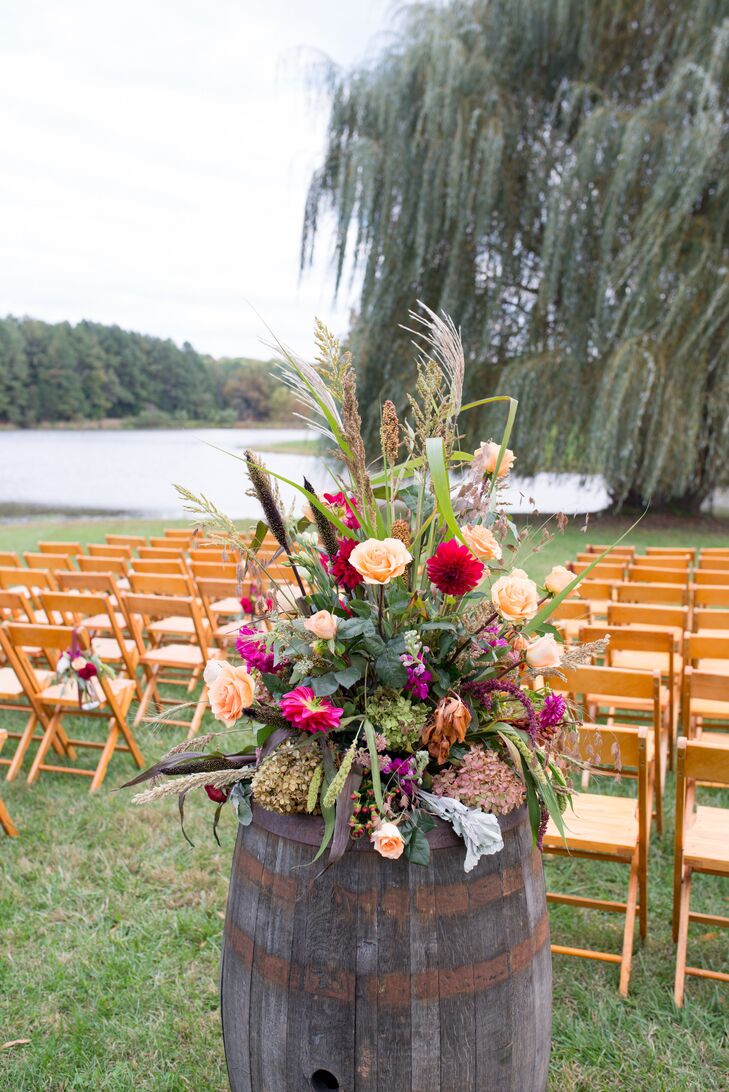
(154, 161)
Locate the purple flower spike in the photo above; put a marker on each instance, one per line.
(483, 690)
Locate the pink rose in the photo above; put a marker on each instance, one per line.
(487, 454)
(323, 625)
(230, 690)
(379, 561)
(543, 653)
(388, 841)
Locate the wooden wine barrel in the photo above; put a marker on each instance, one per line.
(382, 976)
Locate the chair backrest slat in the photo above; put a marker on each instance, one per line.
(717, 577)
(703, 760)
(615, 682)
(70, 548)
(710, 595)
(640, 592)
(104, 549)
(115, 565)
(159, 565)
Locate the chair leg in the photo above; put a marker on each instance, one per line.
(23, 745)
(683, 924)
(106, 754)
(658, 788)
(643, 900)
(45, 744)
(150, 691)
(7, 823)
(194, 678)
(629, 932)
(200, 708)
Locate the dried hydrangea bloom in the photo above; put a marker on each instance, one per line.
(281, 783)
(483, 780)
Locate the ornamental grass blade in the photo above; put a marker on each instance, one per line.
(435, 451)
(344, 809)
(374, 758)
(277, 737)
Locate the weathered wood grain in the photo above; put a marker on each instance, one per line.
(381, 976)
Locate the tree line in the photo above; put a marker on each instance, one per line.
(55, 372)
(554, 174)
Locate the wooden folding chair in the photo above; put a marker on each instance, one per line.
(645, 592)
(597, 594)
(702, 845)
(5, 821)
(117, 566)
(55, 701)
(186, 534)
(716, 577)
(670, 551)
(673, 620)
(86, 609)
(643, 650)
(626, 699)
(705, 703)
(72, 549)
(714, 551)
(53, 562)
(662, 561)
(212, 554)
(657, 576)
(173, 664)
(222, 609)
(708, 653)
(9, 559)
(104, 549)
(610, 828)
(602, 571)
(18, 608)
(159, 553)
(105, 584)
(160, 565)
(132, 541)
(711, 621)
(597, 548)
(716, 563)
(569, 617)
(30, 583)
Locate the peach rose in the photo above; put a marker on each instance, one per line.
(488, 455)
(380, 560)
(388, 841)
(323, 625)
(230, 690)
(543, 653)
(482, 542)
(515, 596)
(519, 643)
(558, 579)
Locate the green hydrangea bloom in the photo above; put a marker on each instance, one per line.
(397, 718)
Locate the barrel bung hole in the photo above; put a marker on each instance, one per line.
(324, 1081)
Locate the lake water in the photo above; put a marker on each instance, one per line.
(133, 471)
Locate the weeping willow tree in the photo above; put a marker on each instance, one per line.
(555, 175)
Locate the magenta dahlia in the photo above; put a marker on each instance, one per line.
(304, 710)
(453, 568)
(340, 568)
(345, 508)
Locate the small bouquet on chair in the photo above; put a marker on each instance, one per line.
(80, 668)
(401, 674)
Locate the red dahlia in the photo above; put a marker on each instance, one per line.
(344, 573)
(453, 568)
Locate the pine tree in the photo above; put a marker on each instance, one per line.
(555, 175)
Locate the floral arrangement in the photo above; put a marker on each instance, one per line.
(79, 668)
(400, 676)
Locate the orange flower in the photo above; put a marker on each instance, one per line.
(543, 653)
(557, 579)
(482, 543)
(388, 841)
(487, 455)
(449, 725)
(379, 561)
(230, 690)
(515, 596)
(323, 625)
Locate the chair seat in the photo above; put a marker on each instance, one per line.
(10, 687)
(107, 648)
(66, 693)
(706, 631)
(599, 824)
(707, 841)
(178, 656)
(228, 629)
(174, 624)
(645, 661)
(231, 605)
(101, 621)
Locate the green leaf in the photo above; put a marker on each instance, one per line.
(388, 667)
(240, 798)
(356, 627)
(324, 685)
(372, 747)
(417, 849)
(349, 676)
(435, 451)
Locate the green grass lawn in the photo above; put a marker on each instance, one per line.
(111, 928)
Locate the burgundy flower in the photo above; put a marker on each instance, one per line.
(218, 796)
(453, 568)
(88, 671)
(340, 568)
(304, 710)
(246, 604)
